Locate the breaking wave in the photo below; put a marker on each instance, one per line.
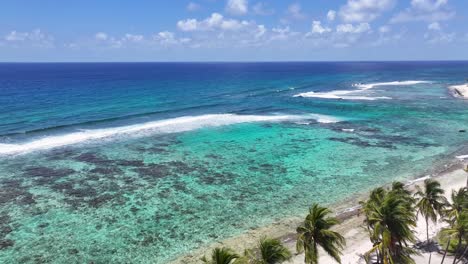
(173, 125)
(355, 94)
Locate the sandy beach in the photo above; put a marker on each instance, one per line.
(460, 90)
(352, 228)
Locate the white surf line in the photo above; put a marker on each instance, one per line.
(350, 94)
(460, 90)
(173, 125)
(395, 83)
(462, 157)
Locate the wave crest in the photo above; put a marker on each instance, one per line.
(173, 125)
(354, 94)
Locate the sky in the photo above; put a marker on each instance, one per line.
(232, 30)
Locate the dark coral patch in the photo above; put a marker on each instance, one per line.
(153, 170)
(130, 163)
(106, 170)
(46, 172)
(20, 195)
(92, 158)
(45, 175)
(5, 227)
(100, 200)
(82, 192)
(361, 143)
(6, 243)
(213, 156)
(217, 178)
(180, 167)
(11, 183)
(62, 186)
(59, 154)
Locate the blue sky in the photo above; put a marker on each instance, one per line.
(233, 30)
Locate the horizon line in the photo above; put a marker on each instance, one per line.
(233, 61)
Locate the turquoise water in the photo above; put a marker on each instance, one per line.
(81, 183)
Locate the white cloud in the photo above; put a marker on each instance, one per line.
(282, 33)
(16, 36)
(437, 35)
(101, 36)
(428, 5)
(353, 29)
(261, 30)
(188, 25)
(295, 12)
(167, 38)
(331, 15)
(133, 38)
(192, 7)
(237, 7)
(434, 26)
(128, 40)
(386, 38)
(35, 38)
(215, 22)
(407, 16)
(262, 9)
(317, 28)
(384, 29)
(364, 10)
(425, 10)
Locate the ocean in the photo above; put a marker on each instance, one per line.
(144, 162)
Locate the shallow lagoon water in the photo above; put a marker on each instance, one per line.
(150, 198)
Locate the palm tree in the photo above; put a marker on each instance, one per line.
(459, 202)
(430, 202)
(315, 231)
(376, 198)
(271, 251)
(221, 256)
(390, 220)
(459, 230)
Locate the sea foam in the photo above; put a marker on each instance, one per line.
(173, 125)
(395, 83)
(354, 94)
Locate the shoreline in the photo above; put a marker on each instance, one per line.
(451, 176)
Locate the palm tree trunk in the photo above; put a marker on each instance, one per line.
(462, 255)
(457, 250)
(445, 252)
(427, 229)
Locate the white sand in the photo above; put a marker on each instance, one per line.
(352, 229)
(358, 241)
(460, 90)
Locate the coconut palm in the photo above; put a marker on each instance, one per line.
(459, 202)
(399, 189)
(315, 232)
(430, 202)
(221, 256)
(271, 251)
(458, 230)
(391, 220)
(375, 199)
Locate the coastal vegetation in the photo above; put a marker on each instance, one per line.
(316, 231)
(390, 218)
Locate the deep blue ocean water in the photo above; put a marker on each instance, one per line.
(143, 162)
